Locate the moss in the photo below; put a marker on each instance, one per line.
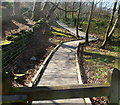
(57, 29)
(10, 37)
(85, 22)
(5, 42)
(60, 34)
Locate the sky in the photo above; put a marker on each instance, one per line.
(58, 0)
(110, 2)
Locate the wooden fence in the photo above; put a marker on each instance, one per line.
(15, 48)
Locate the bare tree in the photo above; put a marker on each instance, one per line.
(73, 9)
(115, 23)
(6, 12)
(62, 10)
(65, 11)
(17, 10)
(36, 11)
(88, 26)
(109, 26)
(51, 11)
(77, 21)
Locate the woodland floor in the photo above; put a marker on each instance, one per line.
(97, 65)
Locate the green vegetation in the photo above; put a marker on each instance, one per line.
(101, 61)
(5, 42)
(97, 27)
(60, 32)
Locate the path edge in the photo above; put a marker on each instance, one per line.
(43, 66)
(78, 71)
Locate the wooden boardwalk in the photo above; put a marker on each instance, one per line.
(73, 31)
(62, 70)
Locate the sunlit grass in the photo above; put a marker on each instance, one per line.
(60, 32)
(101, 61)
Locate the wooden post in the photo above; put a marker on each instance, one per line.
(77, 33)
(65, 11)
(77, 21)
(6, 85)
(7, 88)
(114, 98)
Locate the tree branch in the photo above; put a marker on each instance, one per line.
(62, 8)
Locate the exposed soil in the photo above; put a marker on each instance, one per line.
(15, 27)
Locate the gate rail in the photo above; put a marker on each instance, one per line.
(22, 94)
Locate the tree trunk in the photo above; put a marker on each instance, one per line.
(53, 8)
(6, 12)
(45, 9)
(37, 11)
(115, 24)
(33, 8)
(77, 22)
(65, 11)
(113, 29)
(88, 26)
(108, 29)
(73, 10)
(17, 11)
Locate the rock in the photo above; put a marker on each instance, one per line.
(80, 29)
(33, 58)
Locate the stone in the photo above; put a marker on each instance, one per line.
(33, 58)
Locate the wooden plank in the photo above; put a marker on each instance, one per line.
(115, 88)
(62, 92)
(61, 70)
(13, 98)
(43, 66)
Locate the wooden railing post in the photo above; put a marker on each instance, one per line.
(6, 85)
(80, 49)
(114, 98)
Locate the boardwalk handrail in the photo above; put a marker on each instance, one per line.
(70, 91)
(63, 92)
